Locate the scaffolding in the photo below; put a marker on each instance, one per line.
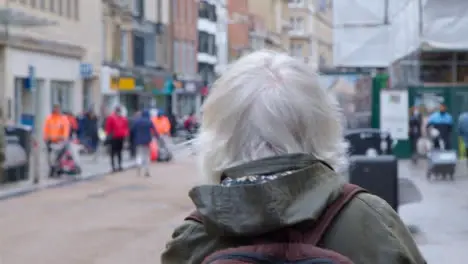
(418, 41)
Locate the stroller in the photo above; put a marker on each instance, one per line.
(442, 161)
(63, 159)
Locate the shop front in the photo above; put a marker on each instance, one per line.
(187, 97)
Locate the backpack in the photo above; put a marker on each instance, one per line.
(298, 244)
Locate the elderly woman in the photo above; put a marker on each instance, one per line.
(271, 149)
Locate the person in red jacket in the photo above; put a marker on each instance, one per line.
(117, 130)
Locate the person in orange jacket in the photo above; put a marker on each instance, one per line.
(162, 124)
(56, 126)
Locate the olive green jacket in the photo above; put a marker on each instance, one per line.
(368, 230)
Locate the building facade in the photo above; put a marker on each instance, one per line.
(238, 32)
(302, 35)
(45, 59)
(137, 60)
(324, 32)
(275, 14)
(207, 25)
(186, 97)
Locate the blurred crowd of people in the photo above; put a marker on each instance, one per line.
(116, 131)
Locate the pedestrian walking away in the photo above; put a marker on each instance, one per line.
(117, 130)
(271, 160)
(143, 131)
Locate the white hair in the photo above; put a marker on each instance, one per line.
(268, 104)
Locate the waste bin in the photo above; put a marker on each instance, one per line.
(17, 153)
(377, 174)
(361, 140)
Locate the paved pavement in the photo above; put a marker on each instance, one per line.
(92, 166)
(123, 218)
(441, 216)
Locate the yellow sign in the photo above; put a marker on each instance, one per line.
(123, 84)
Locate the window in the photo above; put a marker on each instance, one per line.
(138, 50)
(296, 2)
(185, 57)
(208, 11)
(42, 4)
(104, 40)
(296, 49)
(207, 43)
(257, 43)
(176, 56)
(322, 60)
(139, 8)
(123, 47)
(60, 7)
(69, 8)
(150, 50)
(175, 10)
(52, 5)
(76, 10)
(297, 24)
(193, 63)
(323, 5)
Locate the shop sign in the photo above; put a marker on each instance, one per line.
(123, 83)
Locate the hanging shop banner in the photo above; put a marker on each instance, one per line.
(394, 116)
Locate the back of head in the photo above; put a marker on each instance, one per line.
(268, 104)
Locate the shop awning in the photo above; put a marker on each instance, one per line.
(17, 18)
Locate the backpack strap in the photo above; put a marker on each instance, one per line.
(348, 192)
(194, 216)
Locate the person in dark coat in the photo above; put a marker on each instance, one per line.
(131, 143)
(415, 131)
(143, 131)
(89, 131)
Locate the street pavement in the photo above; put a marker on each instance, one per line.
(441, 216)
(92, 166)
(124, 218)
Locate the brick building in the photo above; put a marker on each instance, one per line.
(184, 18)
(238, 28)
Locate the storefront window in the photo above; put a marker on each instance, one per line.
(61, 93)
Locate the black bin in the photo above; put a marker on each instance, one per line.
(17, 152)
(361, 140)
(379, 175)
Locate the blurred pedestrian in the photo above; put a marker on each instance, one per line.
(463, 130)
(442, 123)
(131, 141)
(89, 129)
(73, 124)
(143, 131)
(271, 152)
(117, 130)
(415, 125)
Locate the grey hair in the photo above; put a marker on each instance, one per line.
(268, 104)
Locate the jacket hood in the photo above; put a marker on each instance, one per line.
(301, 192)
(145, 114)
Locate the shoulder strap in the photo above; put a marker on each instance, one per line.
(194, 216)
(325, 220)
